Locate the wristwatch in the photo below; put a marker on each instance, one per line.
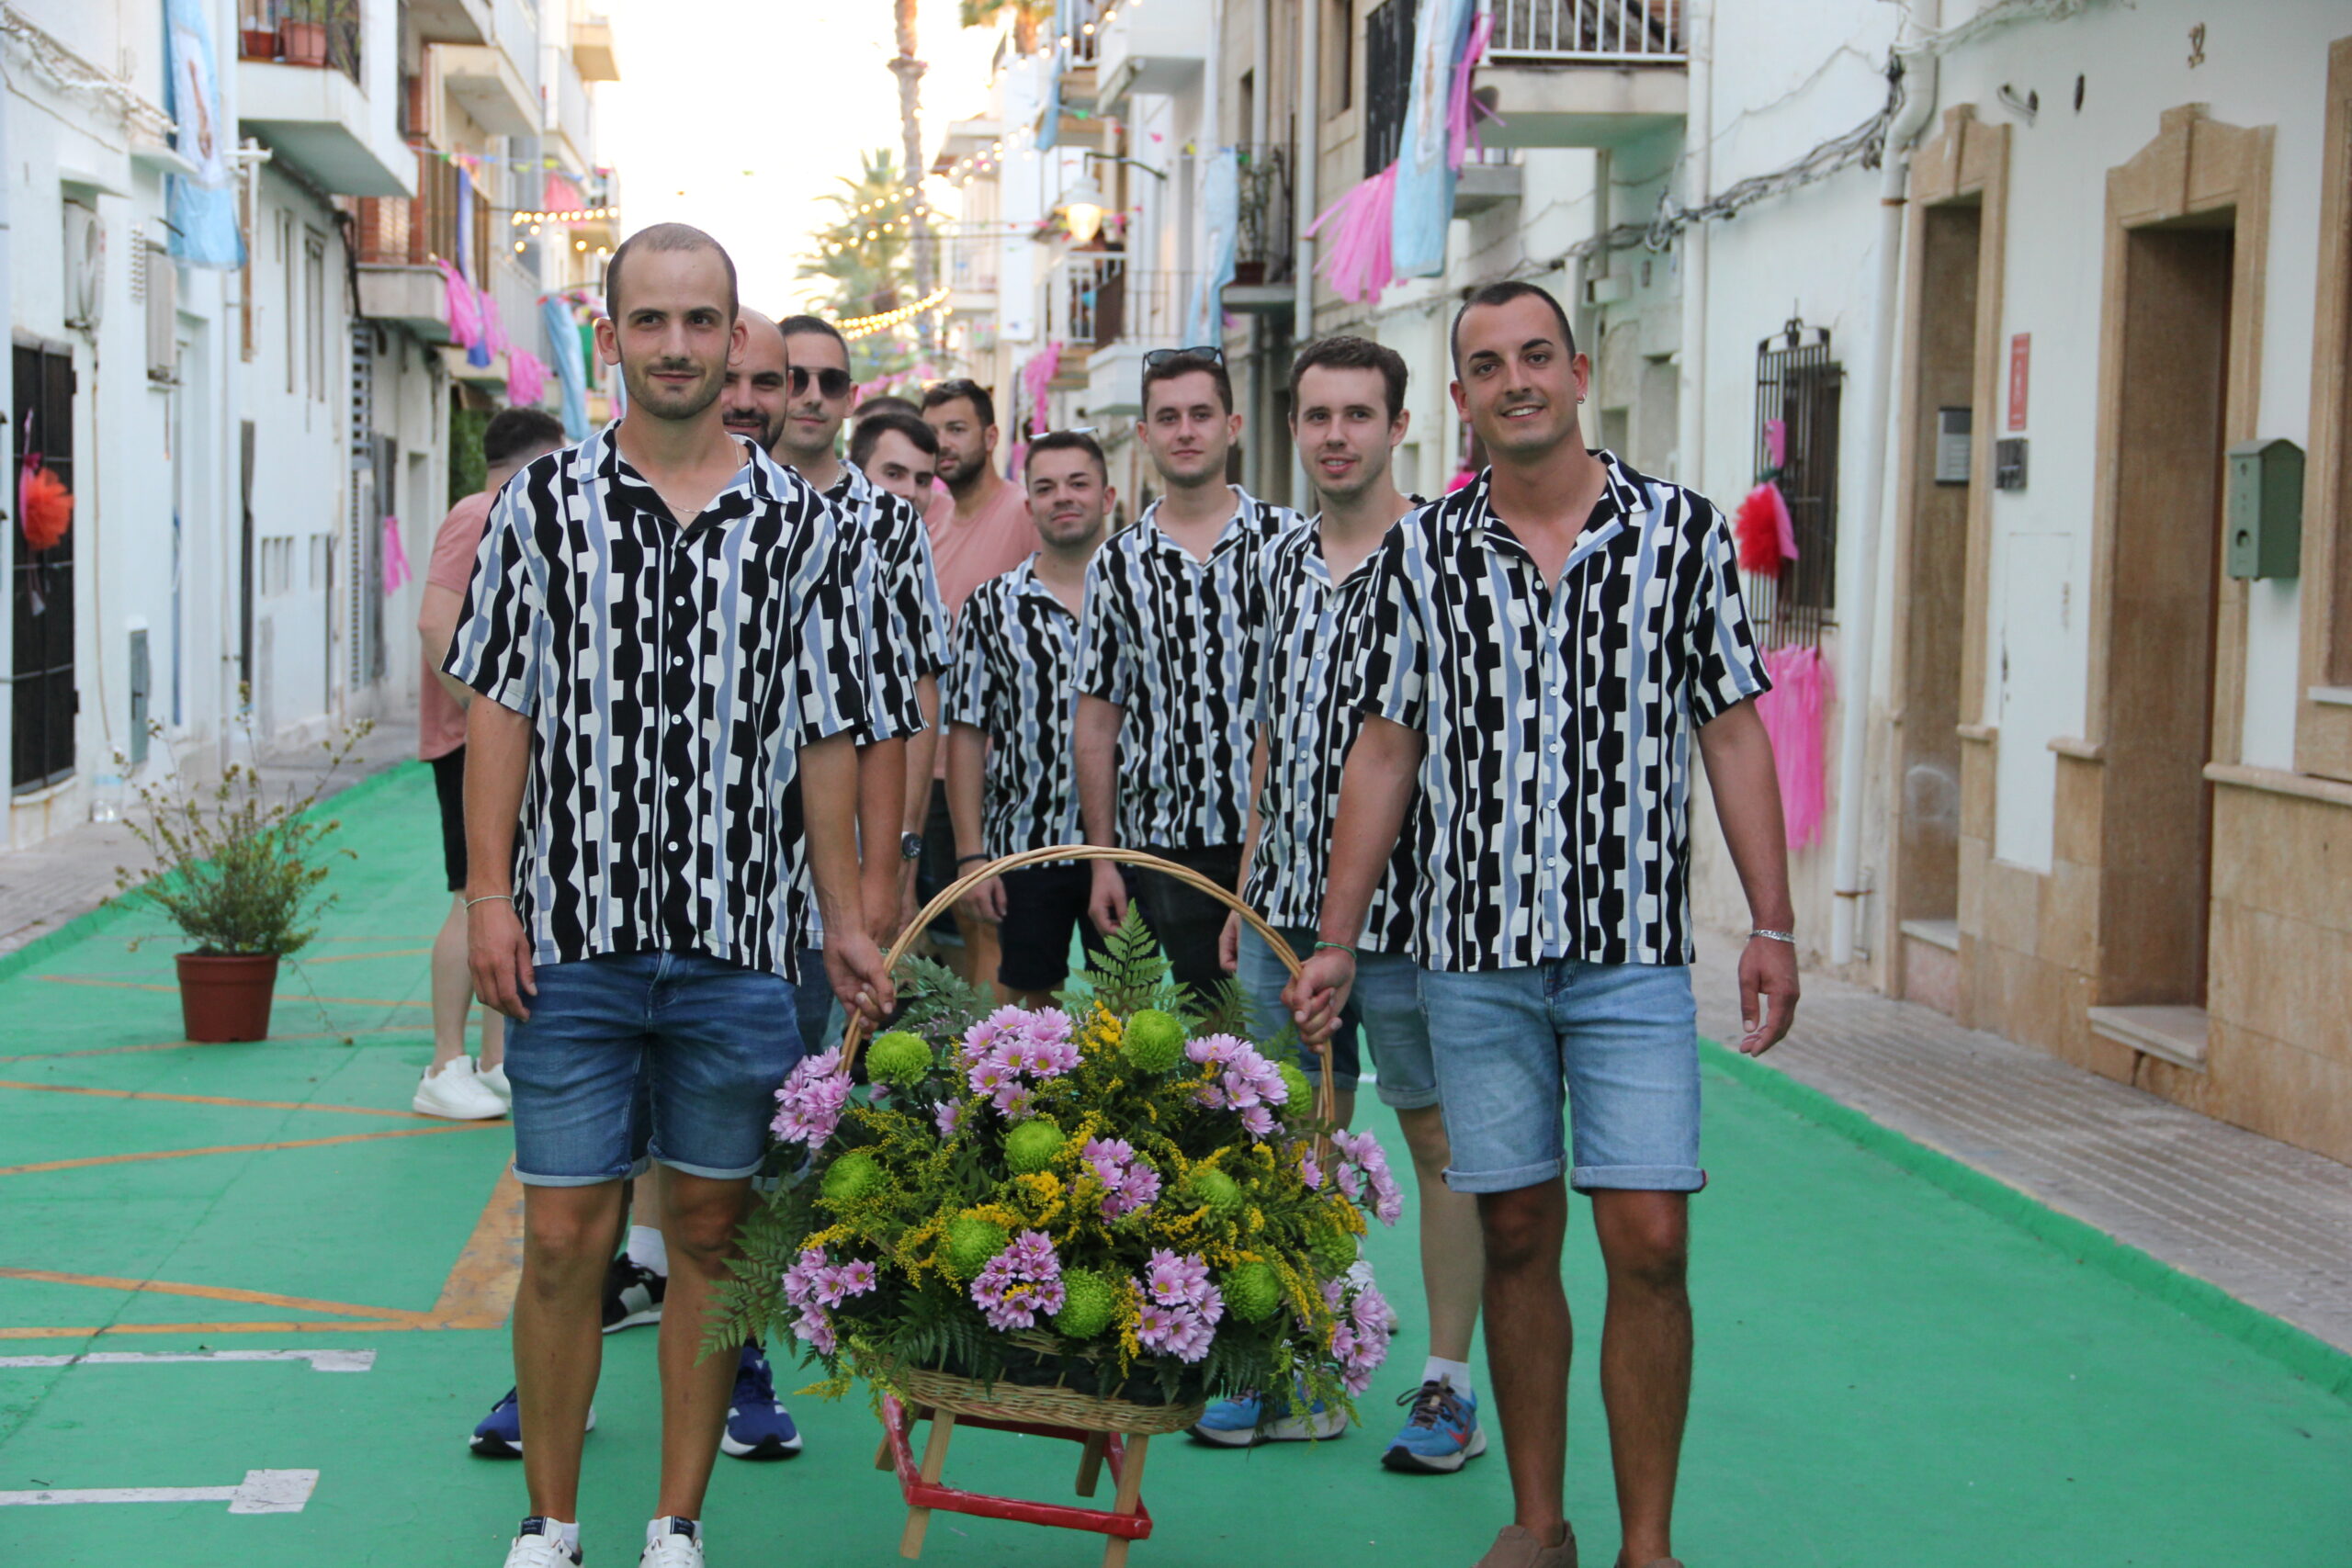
(911, 846)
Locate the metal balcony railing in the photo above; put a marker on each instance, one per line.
(320, 33)
(972, 263)
(414, 231)
(518, 35)
(1094, 299)
(1619, 32)
(1268, 239)
(575, 112)
(1084, 22)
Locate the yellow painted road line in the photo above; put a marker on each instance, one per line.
(216, 1099)
(479, 1292)
(275, 1039)
(244, 1148)
(97, 1330)
(219, 1293)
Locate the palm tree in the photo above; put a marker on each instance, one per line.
(909, 70)
(1027, 16)
(864, 255)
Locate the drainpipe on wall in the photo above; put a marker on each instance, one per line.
(1919, 64)
(1308, 147)
(1698, 133)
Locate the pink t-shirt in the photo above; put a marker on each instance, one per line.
(964, 555)
(440, 722)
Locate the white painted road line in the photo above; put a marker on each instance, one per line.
(261, 1492)
(321, 1360)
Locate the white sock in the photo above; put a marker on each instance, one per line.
(567, 1534)
(648, 1250)
(1456, 1375)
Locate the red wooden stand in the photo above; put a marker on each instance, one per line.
(1126, 1519)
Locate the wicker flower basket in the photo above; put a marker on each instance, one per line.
(1050, 1405)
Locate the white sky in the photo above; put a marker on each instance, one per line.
(737, 116)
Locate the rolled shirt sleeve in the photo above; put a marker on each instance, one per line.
(499, 648)
(832, 666)
(1107, 665)
(964, 685)
(1383, 658)
(1726, 667)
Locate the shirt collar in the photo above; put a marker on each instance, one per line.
(1027, 584)
(1236, 529)
(1623, 503)
(602, 463)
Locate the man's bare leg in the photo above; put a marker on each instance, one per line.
(1453, 1258)
(1528, 1344)
(453, 997)
(1645, 1358)
(568, 1235)
(698, 1223)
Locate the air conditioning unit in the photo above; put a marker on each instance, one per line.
(86, 267)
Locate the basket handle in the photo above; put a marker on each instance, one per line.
(853, 1036)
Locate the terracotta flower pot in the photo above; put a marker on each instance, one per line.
(225, 998)
(302, 43)
(258, 43)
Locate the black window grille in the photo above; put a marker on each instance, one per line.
(43, 699)
(1388, 81)
(1798, 385)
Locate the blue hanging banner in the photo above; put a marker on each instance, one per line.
(203, 203)
(1424, 205)
(571, 374)
(1220, 226)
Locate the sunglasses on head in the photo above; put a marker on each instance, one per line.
(832, 383)
(1159, 357)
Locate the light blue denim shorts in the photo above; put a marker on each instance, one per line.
(1618, 1043)
(1383, 1015)
(675, 1056)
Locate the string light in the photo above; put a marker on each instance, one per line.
(566, 215)
(866, 326)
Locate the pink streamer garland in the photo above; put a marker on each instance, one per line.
(1794, 713)
(465, 307)
(1361, 259)
(1464, 112)
(396, 568)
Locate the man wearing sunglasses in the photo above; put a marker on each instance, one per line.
(1167, 638)
(893, 572)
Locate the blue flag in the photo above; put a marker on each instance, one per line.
(203, 203)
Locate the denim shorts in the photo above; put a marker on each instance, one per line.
(1618, 1041)
(675, 1056)
(1383, 1014)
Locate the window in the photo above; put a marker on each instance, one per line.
(42, 694)
(289, 269)
(315, 295)
(1387, 77)
(1339, 53)
(1797, 392)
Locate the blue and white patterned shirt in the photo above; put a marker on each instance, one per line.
(1166, 638)
(1295, 613)
(1013, 679)
(671, 674)
(889, 555)
(1555, 786)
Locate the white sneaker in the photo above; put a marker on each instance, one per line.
(671, 1544)
(538, 1546)
(494, 1081)
(457, 1093)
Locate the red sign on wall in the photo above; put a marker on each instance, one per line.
(2020, 359)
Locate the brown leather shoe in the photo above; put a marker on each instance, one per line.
(1519, 1547)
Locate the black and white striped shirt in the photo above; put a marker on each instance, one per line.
(1555, 791)
(1295, 614)
(1165, 638)
(1012, 679)
(890, 553)
(671, 675)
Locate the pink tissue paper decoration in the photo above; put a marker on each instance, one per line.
(1776, 442)
(1359, 260)
(396, 569)
(493, 327)
(525, 377)
(1036, 375)
(1794, 713)
(465, 307)
(1762, 529)
(1464, 112)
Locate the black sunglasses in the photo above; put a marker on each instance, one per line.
(832, 383)
(1159, 357)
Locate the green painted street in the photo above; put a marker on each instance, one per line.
(1894, 1366)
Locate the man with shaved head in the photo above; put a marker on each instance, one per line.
(665, 631)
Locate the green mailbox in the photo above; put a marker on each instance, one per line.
(2264, 515)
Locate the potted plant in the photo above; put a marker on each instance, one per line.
(303, 33)
(238, 868)
(1100, 1214)
(257, 43)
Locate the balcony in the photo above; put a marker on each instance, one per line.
(1583, 73)
(1078, 74)
(304, 97)
(1267, 242)
(1107, 317)
(575, 118)
(968, 142)
(1149, 49)
(972, 262)
(395, 242)
(497, 81)
(452, 21)
(592, 49)
(1487, 179)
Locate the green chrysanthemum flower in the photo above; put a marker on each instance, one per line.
(1032, 1144)
(853, 1176)
(971, 1242)
(1333, 1249)
(1252, 1289)
(1301, 1092)
(1153, 1042)
(1213, 1190)
(898, 1057)
(1087, 1303)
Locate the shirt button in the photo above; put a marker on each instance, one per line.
(678, 662)
(674, 849)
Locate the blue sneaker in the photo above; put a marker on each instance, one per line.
(1245, 1422)
(757, 1426)
(1439, 1435)
(500, 1433)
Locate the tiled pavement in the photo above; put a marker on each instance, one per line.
(2268, 1222)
